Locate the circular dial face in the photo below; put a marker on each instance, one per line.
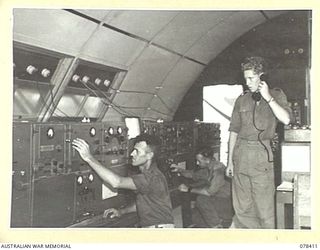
(92, 132)
(110, 131)
(79, 180)
(50, 133)
(119, 130)
(90, 177)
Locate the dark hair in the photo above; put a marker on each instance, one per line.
(206, 152)
(255, 63)
(151, 140)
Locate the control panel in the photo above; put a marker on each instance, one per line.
(185, 137)
(297, 133)
(179, 142)
(52, 185)
(92, 134)
(115, 144)
(49, 150)
(21, 174)
(208, 134)
(176, 137)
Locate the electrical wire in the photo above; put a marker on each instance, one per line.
(103, 102)
(260, 131)
(51, 101)
(110, 104)
(143, 92)
(132, 91)
(126, 107)
(56, 106)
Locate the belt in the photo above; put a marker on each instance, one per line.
(245, 141)
(161, 226)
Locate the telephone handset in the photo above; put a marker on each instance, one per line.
(256, 96)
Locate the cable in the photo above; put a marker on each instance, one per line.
(124, 112)
(52, 102)
(105, 103)
(260, 131)
(123, 107)
(164, 103)
(113, 103)
(143, 92)
(54, 105)
(132, 91)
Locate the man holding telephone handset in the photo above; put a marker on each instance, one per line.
(250, 161)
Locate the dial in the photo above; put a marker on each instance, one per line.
(79, 180)
(92, 131)
(110, 131)
(90, 177)
(119, 130)
(50, 133)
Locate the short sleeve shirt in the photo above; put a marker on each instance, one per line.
(153, 199)
(249, 119)
(200, 177)
(219, 186)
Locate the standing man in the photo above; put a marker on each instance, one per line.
(250, 160)
(153, 203)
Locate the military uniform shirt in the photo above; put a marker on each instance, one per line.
(153, 199)
(246, 111)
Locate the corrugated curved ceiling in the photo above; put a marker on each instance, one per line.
(162, 52)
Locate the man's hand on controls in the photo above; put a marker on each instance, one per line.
(111, 213)
(83, 148)
(176, 168)
(183, 188)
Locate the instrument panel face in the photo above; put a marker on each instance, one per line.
(115, 147)
(179, 143)
(52, 185)
(21, 175)
(92, 134)
(49, 149)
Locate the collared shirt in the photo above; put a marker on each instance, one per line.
(219, 186)
(246, 112)
(200, 177)
(153, 199)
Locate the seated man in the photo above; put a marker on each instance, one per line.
(153, 203)
(213, 206)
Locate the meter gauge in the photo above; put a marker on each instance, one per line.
(79, 180)
(92, 131)
(119, 130)
(50, 133)
(110, 131)
(90, 177)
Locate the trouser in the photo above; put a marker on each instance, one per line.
(253, 187)
(211, 211)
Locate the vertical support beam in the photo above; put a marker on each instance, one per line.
(117, 81)
(307, 101)
(60, 80)
(83, 102)
(307, 105)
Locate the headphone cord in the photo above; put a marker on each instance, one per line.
(260, 131)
